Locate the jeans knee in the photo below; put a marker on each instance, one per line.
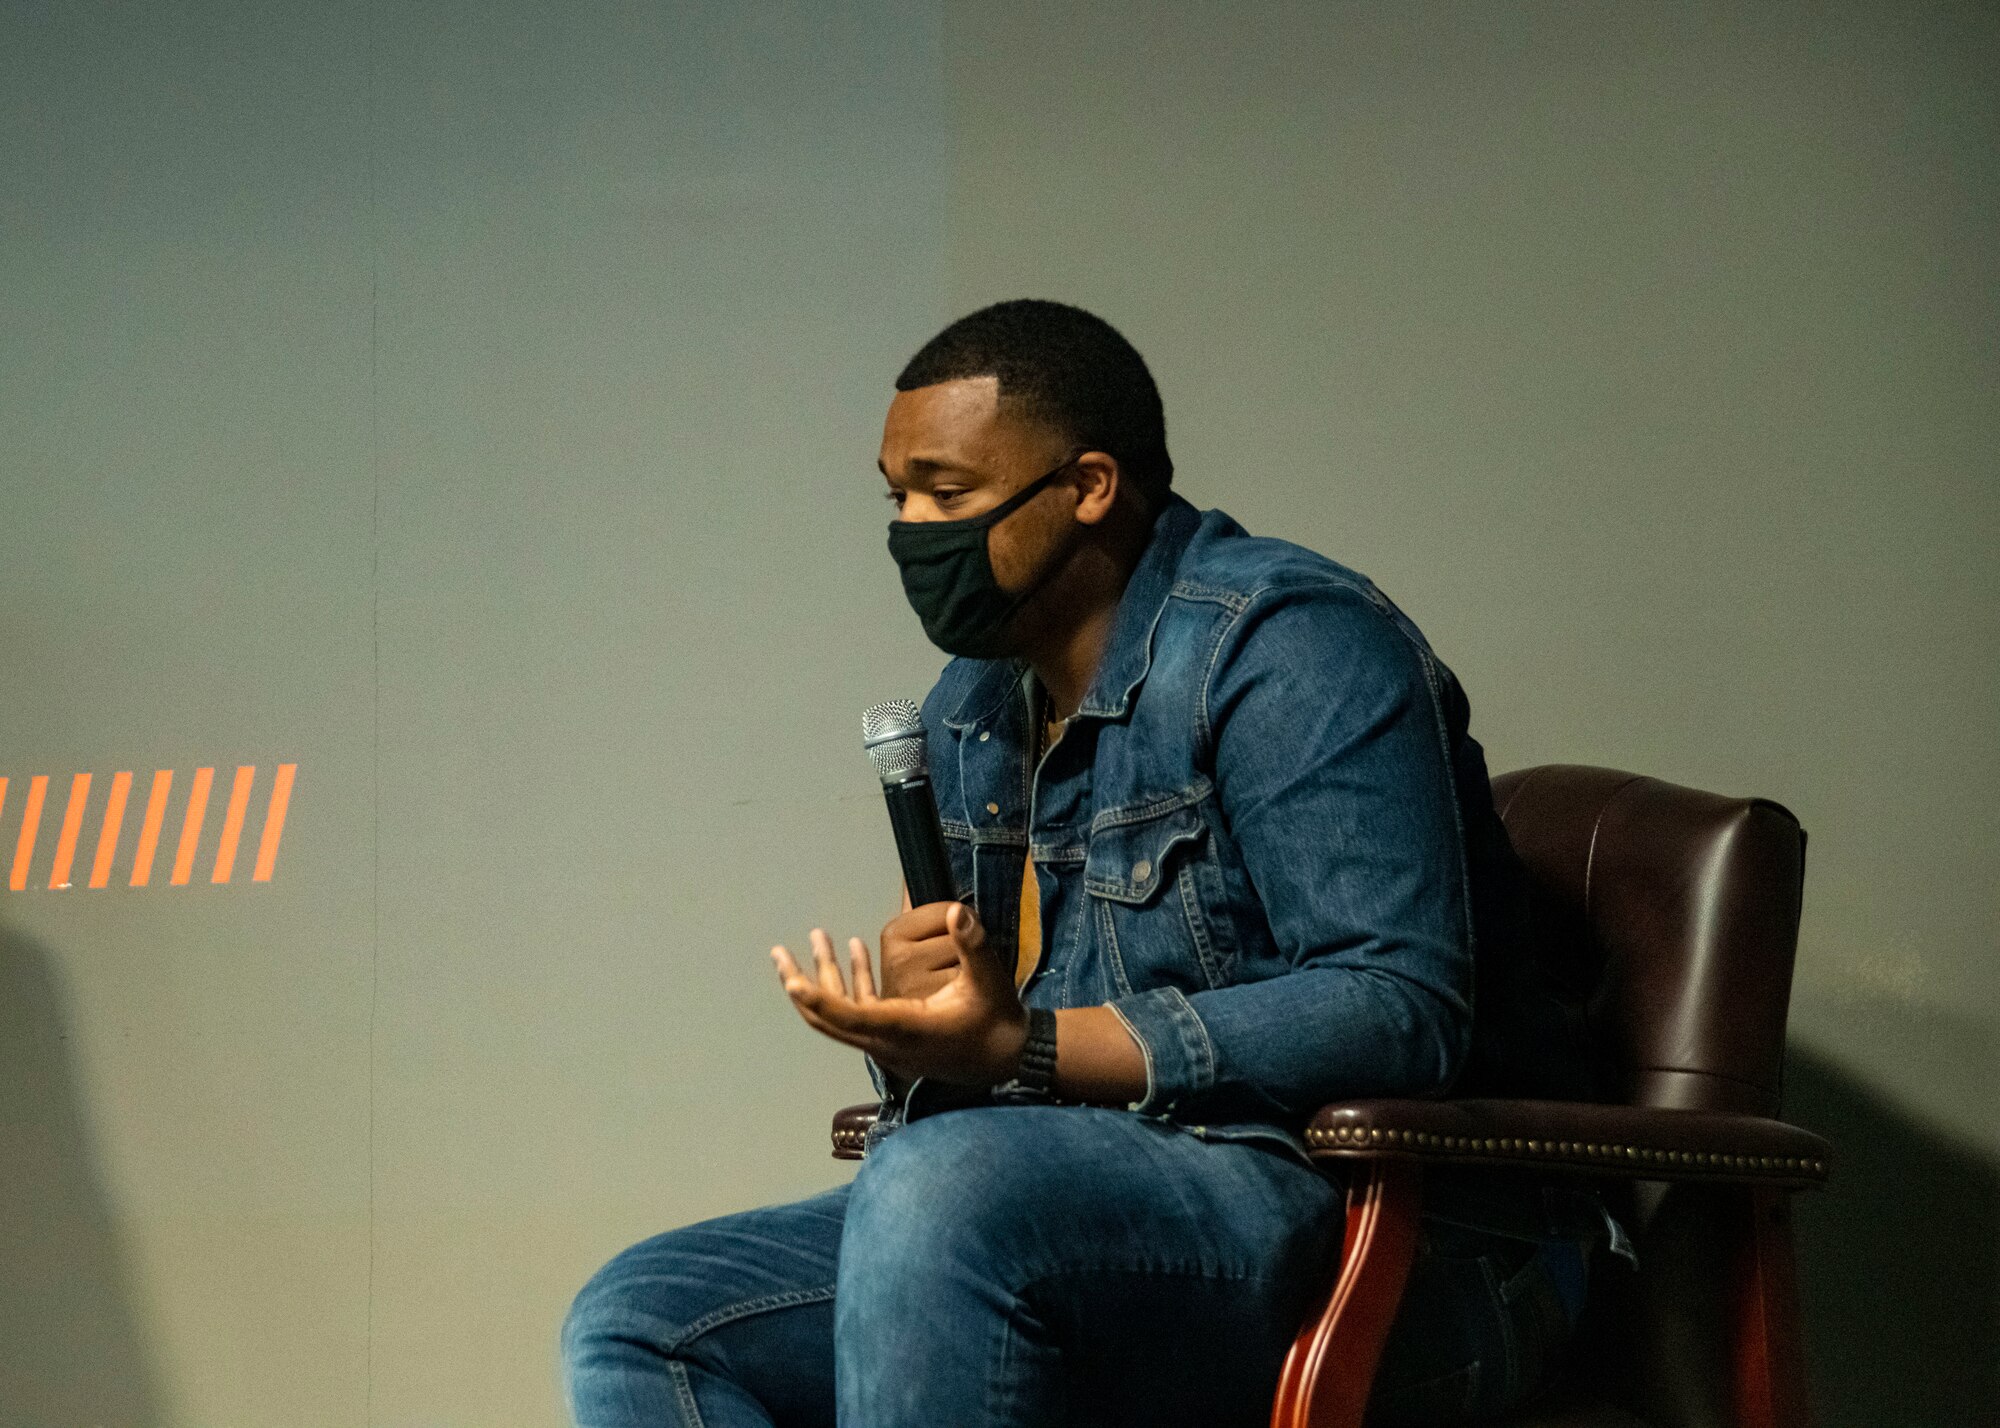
(618, 1305)
(618, 1345)
(590, 1315)
(957, 1187)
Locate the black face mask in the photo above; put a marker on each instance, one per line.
(948, 575)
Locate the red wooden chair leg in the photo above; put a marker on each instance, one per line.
(1770, 1353)
(1331, 1366)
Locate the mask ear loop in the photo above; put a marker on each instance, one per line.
(987, 519)
(1020, 497)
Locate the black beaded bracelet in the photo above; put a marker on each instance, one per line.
(1038, 1054)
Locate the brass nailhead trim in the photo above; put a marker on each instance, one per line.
(1512, 1145)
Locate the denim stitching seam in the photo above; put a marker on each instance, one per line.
(1107, 931)
(715, 1318)
(1197, 924)
(684, 1393)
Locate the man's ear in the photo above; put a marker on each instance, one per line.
(1098, 481)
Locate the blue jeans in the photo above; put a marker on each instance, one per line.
(1038, 1265)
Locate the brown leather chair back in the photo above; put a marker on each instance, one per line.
(1672, 917)
(1673, 914)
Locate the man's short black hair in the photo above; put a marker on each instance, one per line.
(1066, 368)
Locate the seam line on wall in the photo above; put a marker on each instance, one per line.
(375, 667)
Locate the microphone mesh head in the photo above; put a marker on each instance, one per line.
(893, 734)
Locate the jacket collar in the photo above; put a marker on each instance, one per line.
(1128, 653)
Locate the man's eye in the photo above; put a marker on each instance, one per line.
(942, 498)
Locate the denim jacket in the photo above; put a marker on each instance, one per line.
(1266, 841)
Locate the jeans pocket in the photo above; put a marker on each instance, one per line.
(1447, 1398)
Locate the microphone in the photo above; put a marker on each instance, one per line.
(893, 734)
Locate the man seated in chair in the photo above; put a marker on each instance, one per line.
(1220, 832)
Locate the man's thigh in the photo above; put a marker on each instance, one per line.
(735, 1312)
(1141, 1274)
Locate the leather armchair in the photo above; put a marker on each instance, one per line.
(1671, 915)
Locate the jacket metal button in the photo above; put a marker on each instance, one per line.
(1142, 870)
(992, 808)
(984, 735)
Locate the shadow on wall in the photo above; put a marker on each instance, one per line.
(1899, 1262)
(70, 1348)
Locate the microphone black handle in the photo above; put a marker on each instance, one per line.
(920, 842)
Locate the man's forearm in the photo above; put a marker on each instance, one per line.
(1097, 1061)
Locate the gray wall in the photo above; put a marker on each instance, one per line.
(476, 406)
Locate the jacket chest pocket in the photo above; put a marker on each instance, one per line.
(1150, 880)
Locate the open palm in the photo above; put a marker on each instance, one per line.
(969, 1028)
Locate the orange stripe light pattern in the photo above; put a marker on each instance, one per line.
(79, 794)
(197, 813)
(232, 823)
(274, 823)
(111, 824)
(107, 836)
(31, 823)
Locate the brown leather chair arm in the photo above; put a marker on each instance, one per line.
(1633, 1143)
(1629, 1142)
(850, 1125)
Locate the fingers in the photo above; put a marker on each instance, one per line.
(831, 1018)
(864, 1015)
(864, 975)
(806, 994)
(880, 1017)
(830, 980)
(789, 975)
(963, 924)
(917, 924)
(873, 1045)
(937, 949)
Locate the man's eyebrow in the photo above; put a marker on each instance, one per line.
(924, 468)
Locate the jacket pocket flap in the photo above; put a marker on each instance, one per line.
(1125, 860)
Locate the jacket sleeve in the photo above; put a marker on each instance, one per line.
(1334, 780)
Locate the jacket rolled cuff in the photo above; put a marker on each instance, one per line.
(879, 1077)
(1180, 1059)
